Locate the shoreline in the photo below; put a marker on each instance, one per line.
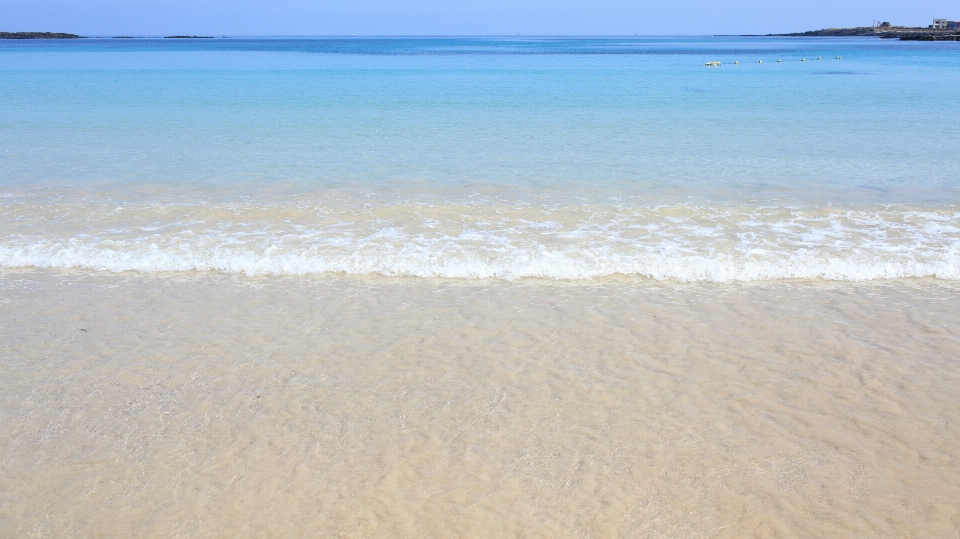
(628, 281)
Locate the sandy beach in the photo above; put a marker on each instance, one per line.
(205, 405)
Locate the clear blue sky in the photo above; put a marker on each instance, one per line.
(459, 17)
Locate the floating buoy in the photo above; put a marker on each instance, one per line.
(838, 57)
(707, 64)
(818, 58)
(803, 59)
(736, 63)
(761, 61)
(779, 60)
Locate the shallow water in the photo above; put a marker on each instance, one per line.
(503, 235)
(357, 407)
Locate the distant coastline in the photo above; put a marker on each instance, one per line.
(38, 35)
(904, 33)
(59, 35)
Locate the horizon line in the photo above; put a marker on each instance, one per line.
(399, 36)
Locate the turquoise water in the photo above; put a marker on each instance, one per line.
(473, 158)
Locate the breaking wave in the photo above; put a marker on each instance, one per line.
(568, 243)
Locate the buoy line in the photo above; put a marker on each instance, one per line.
(779, 61)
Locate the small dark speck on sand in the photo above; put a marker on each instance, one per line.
(81, 329)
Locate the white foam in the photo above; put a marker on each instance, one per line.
(663, 263)
(695, 244)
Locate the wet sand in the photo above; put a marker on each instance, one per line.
(214, 406)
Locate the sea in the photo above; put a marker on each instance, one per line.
(649, 287)
(473, 158)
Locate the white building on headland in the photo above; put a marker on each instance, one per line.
(944, 24)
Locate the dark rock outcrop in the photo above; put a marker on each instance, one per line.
(37, 35)
(930, 37)
(905, 33)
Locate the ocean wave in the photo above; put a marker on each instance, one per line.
(571, 242)
(567, 264)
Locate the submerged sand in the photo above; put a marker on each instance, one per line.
(210, 406)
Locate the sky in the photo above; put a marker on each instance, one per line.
(460, 17)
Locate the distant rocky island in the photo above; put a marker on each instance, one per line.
(885, 31)
(57, 35)
(38, 35)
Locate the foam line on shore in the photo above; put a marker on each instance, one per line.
(668, 264)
